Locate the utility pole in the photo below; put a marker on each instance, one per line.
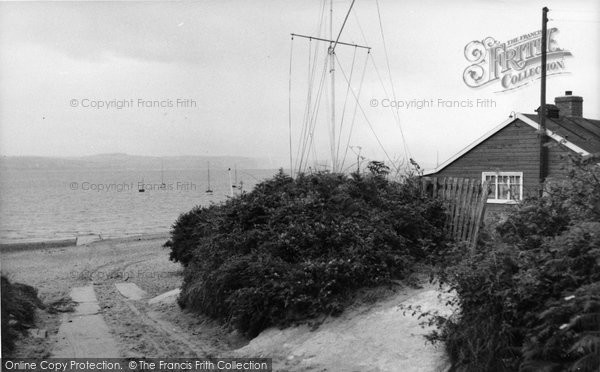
(542, 112)
(357, 157)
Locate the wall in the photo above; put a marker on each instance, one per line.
(514, 148)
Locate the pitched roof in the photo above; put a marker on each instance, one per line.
(583, 132)
(581, 135)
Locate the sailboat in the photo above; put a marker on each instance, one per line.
(208, 190)
(163, 185)
(235, 182)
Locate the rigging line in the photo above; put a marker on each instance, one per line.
(355, 108)
(360, 28)
(309, 127)
(320, 28)
(309, 132)
(290, 106)
(312, 73)
(312, 122)
(323, 87)
(311, 77)
(394, 113)
(307, 105)
(337, 152)
(367, 119)
(387, 60)
(314, 144)
(342, 28)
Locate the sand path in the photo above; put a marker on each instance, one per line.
(125, 293)
(111, 282)
(84, 333)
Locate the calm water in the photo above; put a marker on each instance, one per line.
(38, 205)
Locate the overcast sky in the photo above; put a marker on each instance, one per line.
(232, 59)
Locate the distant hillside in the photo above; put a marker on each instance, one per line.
(133, 162)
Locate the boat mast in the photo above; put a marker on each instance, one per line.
(332, 73)
(162, 174)
(331, 52)
(230, 184)
(208, 190)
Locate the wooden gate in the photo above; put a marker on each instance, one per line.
(465, 200)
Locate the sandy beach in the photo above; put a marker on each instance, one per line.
(137, 327)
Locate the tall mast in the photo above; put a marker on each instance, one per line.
(208, 171)
(332, 73)
(331, 52)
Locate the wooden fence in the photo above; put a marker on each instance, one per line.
(465, 200)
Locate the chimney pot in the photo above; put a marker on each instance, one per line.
(568, 93)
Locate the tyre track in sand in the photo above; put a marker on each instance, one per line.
(131, 328)
(139, 327)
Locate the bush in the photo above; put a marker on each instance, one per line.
(574, 199)
(530, 301)
(294, 249)
(19, 302)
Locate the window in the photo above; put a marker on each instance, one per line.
(505, 187)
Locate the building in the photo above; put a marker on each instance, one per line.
(508, 156)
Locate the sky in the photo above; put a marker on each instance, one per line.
(166, 78)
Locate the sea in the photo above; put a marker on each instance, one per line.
(38, 205)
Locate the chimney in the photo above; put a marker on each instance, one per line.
(551, 111)
(569, 105)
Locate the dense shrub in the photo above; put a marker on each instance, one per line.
(530, 301)
(296, 248)
(19, 302)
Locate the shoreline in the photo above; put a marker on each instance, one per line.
(72, 242)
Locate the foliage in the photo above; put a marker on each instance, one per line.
(565, 201)
(530, 300)
(293, 249)
(19, 302)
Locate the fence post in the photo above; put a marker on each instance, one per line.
(467, 205)
(479, 215)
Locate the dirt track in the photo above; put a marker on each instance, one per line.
(137, 328)
(120, 277)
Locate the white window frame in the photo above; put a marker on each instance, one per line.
(494, 200)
